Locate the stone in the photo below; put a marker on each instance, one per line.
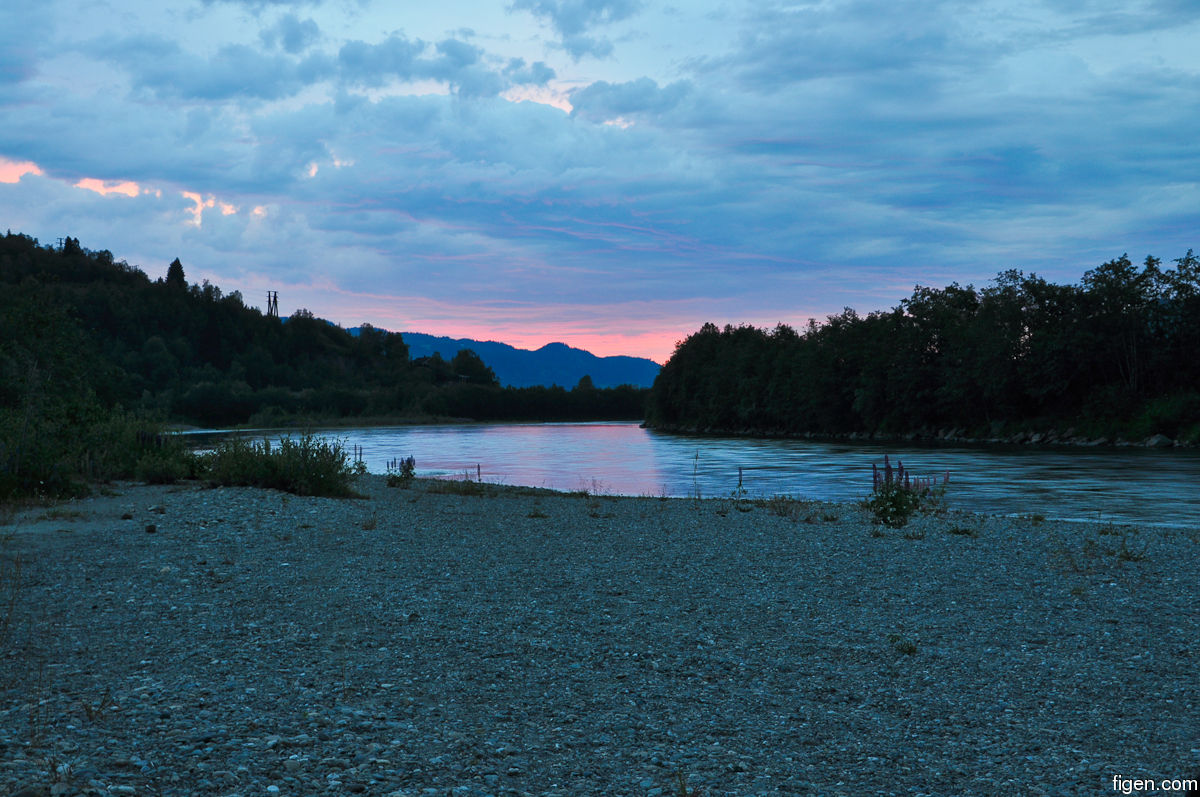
(1159, 441)
(31, 791)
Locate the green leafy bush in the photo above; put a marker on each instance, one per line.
(401, 472)
(165, 467)
(898, 494)
(893, 504)
(307, 466)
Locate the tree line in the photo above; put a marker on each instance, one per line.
(1113, 356)
(86, 339)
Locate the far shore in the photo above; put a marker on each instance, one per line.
(1048, 438)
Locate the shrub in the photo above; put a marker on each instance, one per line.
(893, 504)
(58, 456)
(402, 472)
(165, 467)
(897, 495)
(307, 466)
(1174, 415)
(460, 487)
(902, 644)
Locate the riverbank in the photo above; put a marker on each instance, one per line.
(1025, 437)
(183, 640)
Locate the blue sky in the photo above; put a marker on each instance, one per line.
(608, 173)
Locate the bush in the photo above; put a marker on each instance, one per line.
(893, 504)
(401, 474)
(165, 467)
(307, 466)
(57, 453)
(898, 494)
(1174, 415)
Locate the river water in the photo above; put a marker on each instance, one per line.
(1123, 485)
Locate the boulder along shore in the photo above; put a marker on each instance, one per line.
(482, 640)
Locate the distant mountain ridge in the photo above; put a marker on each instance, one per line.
(552, 364)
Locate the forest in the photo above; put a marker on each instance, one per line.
(1114, 357)
(91, 346)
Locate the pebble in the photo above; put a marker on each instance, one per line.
(749, 651)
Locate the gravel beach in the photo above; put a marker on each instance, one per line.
(235, 641)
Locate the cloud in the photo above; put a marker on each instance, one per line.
(522, 74)
(106, 187)
(12, 171)
(465, 67)
(292, 34)
(784, 160)
(574, 19)
(374, 64)
(236, 71)
(1112, 17)
(259, 5)
(24, 29)
(780, 45)
(603, 101)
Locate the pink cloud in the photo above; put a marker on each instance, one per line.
(197, 212)
(13, 171)
(106, 187)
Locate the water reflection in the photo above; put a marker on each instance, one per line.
(1128, 485)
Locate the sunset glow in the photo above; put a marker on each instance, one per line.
(104, 188)
(13, 171)
(202, 203)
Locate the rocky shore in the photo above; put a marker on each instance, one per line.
(1024, 437)
(474, 640)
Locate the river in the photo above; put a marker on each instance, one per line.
(1150, 487)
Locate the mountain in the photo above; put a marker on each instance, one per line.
(552, 364)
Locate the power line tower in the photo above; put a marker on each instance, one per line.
(272, 304)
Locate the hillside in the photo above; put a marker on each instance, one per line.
(86, 338)
(552, 364)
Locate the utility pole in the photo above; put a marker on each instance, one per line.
(272, 304)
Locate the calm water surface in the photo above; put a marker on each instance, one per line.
(1126, 485)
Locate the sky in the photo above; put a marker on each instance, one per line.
(611, 174)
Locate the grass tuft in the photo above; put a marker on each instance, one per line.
(307, 466)
(458, 487)
(681, 787)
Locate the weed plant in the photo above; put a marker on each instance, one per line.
(400, 473)
(783, 506)
(458, 487)
(307, 466)
(682, 789)
(1091, 554)
(893, 504)
(794, 509)
(897, 496)
(902, 644)
(48, 457)
(10, 591)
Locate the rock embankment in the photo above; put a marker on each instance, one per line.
(522, 643)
